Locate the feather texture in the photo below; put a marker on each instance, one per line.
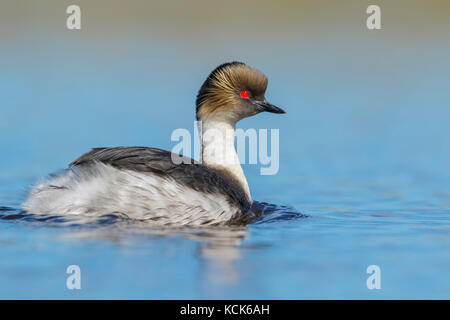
(141, 183)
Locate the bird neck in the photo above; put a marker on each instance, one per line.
(219, 151)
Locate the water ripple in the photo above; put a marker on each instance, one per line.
(262, 212)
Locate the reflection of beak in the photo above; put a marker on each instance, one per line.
(266, 106)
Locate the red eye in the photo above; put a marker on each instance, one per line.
(245, 94)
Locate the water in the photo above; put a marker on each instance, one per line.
(319, 247)
(364, 175)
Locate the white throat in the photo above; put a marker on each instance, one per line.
(219, 151)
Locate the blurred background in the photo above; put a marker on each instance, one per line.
(366, 135)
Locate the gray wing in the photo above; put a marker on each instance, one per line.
(159, 162)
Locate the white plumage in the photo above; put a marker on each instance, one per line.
(103, 189)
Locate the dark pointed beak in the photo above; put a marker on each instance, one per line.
(268, 107)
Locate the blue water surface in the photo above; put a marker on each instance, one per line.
(363, 180)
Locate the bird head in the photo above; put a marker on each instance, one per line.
(233, 91)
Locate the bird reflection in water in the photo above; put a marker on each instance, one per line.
(219, 247)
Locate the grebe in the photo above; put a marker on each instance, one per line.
(145, 183)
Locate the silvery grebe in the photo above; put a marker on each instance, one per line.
(145, 183)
